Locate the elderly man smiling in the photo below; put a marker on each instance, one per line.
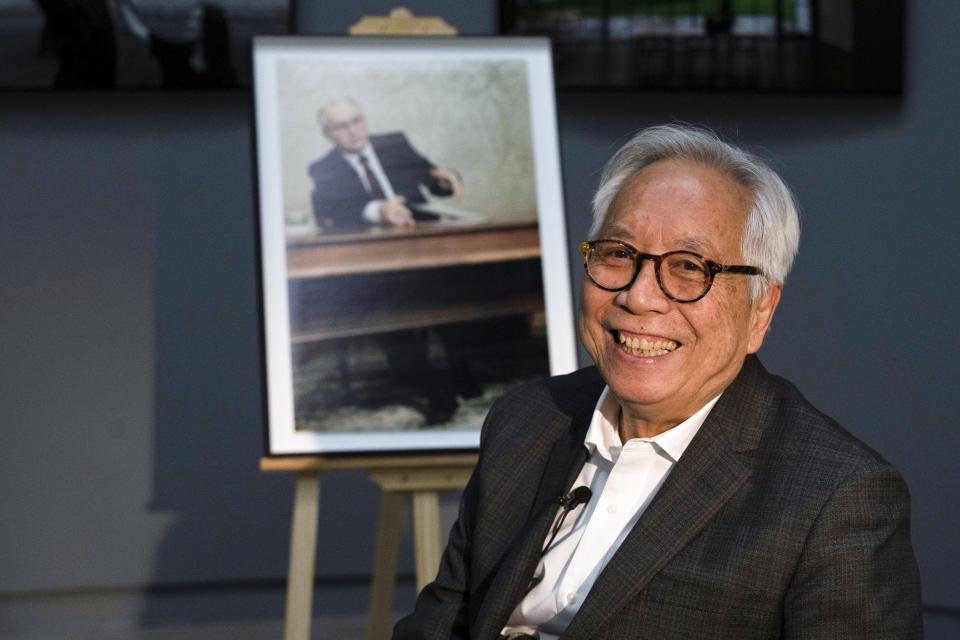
(677, 490)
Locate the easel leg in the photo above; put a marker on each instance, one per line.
(303, 556)
(385, 566)
(426, 532)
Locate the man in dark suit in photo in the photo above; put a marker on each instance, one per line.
(677, 489)
(375, 180)
(368, 179)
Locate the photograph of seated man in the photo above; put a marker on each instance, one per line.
(371, 179)
(375, 183)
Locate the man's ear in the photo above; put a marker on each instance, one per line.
(761, 315)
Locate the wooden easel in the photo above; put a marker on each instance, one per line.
(420, 476)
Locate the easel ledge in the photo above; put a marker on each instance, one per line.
(393, 461)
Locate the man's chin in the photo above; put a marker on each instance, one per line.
(639, 395)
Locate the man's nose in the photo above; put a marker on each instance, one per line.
(644, 293)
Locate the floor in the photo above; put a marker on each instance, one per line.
(230, 613)
(212, 613)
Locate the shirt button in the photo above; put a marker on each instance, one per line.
(571, 597)
(611, 509)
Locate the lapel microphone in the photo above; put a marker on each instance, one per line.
(569, 502)
(580, 495)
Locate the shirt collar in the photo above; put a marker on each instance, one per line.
(367, 151)
(602, 436)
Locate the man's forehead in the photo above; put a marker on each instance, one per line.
(341, 111)
(678, 204)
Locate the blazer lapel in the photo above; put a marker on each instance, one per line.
(514, 573)
(706, 476)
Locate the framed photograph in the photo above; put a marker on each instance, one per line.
(837, 46)
(133, 44)
(413, 243)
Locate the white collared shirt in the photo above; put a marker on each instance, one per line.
(623, 479)
(371, 212)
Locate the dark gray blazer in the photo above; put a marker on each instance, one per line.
(775, 523)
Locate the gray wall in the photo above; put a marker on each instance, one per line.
(129, 368)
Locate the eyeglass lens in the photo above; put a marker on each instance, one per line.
(682, 275)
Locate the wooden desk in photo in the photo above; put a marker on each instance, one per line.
(377, 281)
(387, 279)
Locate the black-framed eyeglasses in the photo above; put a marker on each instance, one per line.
(683, 276)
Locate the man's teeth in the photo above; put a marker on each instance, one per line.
(644, 347)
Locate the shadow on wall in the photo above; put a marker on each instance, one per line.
(232, 521)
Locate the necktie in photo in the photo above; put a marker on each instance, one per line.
(376, 193)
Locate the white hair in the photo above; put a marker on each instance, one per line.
(323, 113)
(772, 232)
